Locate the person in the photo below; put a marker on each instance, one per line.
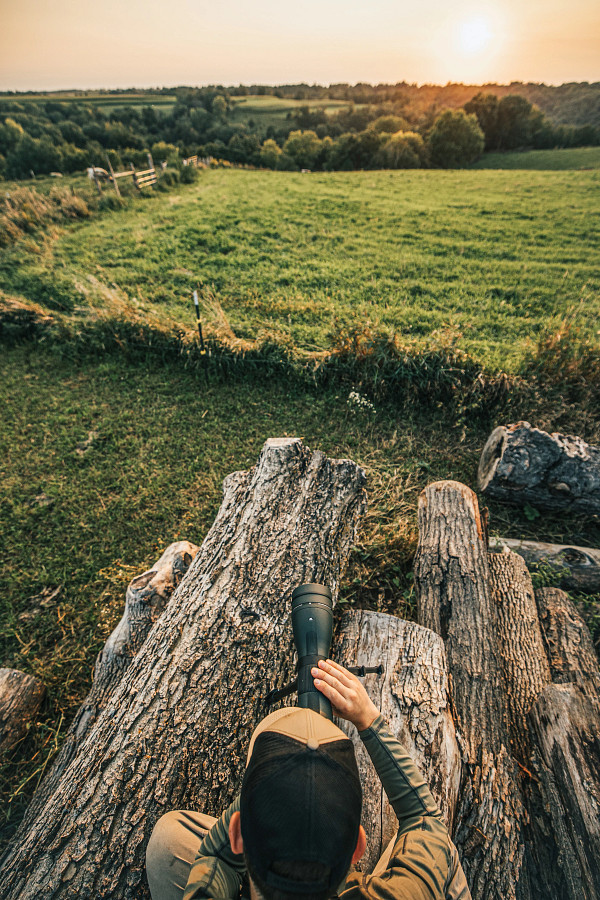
(294, 831)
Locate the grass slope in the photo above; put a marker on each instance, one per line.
(543, 160)
(487, 260)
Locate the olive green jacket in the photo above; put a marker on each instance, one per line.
(420, 864)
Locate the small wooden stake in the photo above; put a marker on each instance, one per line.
(112, 175)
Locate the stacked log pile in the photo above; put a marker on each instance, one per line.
(495, 693)
(525, 688)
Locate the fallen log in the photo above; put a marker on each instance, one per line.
(173, 734)
(21, 696)
(521, 464)
(412, 694)
(146, 597)
(578, 568)
(452, 581)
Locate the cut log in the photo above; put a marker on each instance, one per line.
(526, 673)
(173, 734)
(521, 464)
(452, 581)
(412, 694)
(521, 646)
(577, 567)
(146, 598)
(568, 642)
(20, 698)
(565, 722)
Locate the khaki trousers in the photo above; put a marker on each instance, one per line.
(171, 851)
(173, 846)
(174, 843)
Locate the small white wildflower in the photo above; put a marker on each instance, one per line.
(359, 403)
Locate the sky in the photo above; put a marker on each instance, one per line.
(60, 44)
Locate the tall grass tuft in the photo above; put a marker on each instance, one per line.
(567, 357)
(25, 210)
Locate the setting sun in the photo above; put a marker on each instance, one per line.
(474, 36)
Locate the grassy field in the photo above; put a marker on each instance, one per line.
(543, 160)
(484, 260)
(270, 110)
(106, 461)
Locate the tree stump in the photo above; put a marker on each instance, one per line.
(20, 698)
(521, 464)
(173, 734)
(412, 694)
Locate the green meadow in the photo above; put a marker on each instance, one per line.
(543, 160)
(484, 260)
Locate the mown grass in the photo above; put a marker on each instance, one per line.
(479, 260)
(107, 461)
(543, 160)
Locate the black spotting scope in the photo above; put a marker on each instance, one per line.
(312, 623)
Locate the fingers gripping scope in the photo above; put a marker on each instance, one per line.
(312, 624)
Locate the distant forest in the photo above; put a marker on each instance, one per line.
(292, 127)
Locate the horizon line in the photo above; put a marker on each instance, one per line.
(297, 84)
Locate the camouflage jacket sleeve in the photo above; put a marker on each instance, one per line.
(422, 863)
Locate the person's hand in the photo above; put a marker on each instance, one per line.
(347, 694)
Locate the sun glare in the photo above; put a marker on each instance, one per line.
(474, 36)
(469, 42)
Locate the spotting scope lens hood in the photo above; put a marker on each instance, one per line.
(312, 623)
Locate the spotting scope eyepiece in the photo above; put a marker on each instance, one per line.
(312, 623)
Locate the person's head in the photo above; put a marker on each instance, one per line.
(299, 820)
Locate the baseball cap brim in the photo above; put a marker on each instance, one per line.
(304, 725)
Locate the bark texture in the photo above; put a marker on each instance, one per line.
(578, 567)
(525, 667)
(20, 699)
(202, 672)
(412, 694)
(564, 799)
(454, 598)
(521, 464)
(568, 642)
(146, 597)
(566, 725)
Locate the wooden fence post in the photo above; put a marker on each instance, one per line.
(112, 175)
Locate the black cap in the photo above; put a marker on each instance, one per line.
(301, 800)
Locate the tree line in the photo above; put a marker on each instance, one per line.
(388, 130)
